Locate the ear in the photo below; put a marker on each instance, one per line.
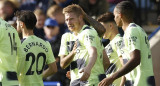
(121, 15)
(110, 25)
(21, 24)
(81, 17)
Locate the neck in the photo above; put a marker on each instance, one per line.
(79, 28)
(113, 33)
(27, 33)
(126, 24)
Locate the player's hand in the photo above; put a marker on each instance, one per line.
(106, 82)
(68, 75)
(86, 74)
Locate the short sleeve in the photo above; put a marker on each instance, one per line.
(118, 46)
(89, 39)
(50, 55)
(63, 47)
(133, 38)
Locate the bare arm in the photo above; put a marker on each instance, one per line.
(129, 66)
(97, 25)
(66, 60)
(52, 69)
(106, 61)
(123, 80)
(92, 59)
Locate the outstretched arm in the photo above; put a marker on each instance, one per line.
(97, 25)
(129, 66)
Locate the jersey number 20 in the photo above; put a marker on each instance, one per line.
(30, 72)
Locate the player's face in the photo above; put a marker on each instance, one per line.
(72, 21)
(117, 17)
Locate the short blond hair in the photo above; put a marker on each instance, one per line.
(73, 8)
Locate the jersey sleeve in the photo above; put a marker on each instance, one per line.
(50, 55)
(89, 38)
(133, 38)
(63, 47)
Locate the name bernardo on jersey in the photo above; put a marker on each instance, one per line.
(33, 44)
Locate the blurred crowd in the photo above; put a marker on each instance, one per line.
(51, 22)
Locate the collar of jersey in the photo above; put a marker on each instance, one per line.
(82, 28)
(28, 36)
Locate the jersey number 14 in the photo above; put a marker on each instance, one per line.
(13, 43)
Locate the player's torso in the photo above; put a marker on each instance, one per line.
(144, 45)
(8, 46)
(112, 53)
(89, 35)
(9, 42)
(144, 71)
(35, 59)
(82, 57)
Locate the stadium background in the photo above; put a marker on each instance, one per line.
(146, 15)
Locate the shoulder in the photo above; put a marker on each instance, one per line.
(40, 40)
(44, 42)
(67, 34)
(134, 28)
(89, 30)
(118, 38)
